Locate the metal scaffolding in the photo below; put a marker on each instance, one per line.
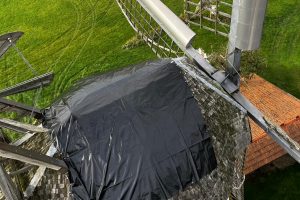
(211, 15)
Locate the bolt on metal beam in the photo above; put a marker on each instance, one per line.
(168, 21)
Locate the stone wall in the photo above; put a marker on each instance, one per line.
(53, 185)
(228, 123)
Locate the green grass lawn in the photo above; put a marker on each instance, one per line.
(72, 38)
(75, 38)
(276, 185)
(281, 45)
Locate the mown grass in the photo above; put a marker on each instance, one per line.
(281, 45)
(75, 38)
(276, 185)
(71, 38)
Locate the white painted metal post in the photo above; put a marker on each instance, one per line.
(170, 23)
(245, 33)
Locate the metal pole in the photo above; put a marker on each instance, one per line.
(234, 64)
(233, 53)
(245, 33)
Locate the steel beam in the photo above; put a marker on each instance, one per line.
(233, 65)
(31, 157)
(247, 18)
(276, 133)
(8, 105)
(245, 33)
(27, 85)
(21, 127)
(233, 53)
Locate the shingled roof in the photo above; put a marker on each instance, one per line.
(279, 106)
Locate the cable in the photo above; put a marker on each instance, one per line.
(23, 57)
(38, 91)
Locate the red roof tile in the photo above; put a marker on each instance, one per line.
(277, 105)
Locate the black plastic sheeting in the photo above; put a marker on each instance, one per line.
(133, 134)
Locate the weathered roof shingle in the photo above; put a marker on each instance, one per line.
(277, 105)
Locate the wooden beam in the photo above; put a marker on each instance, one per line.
(21, 127)
(8, 187)
(7, 40)
(23, 139)
(19, 142)
(8, 105)
(2, 137)
(27, 85)
(31, 157)
(24, 169)
(38, 175)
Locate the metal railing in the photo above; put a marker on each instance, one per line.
(211, 15)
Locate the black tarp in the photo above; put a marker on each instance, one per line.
(134, 134)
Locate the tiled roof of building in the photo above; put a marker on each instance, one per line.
(281, 108)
